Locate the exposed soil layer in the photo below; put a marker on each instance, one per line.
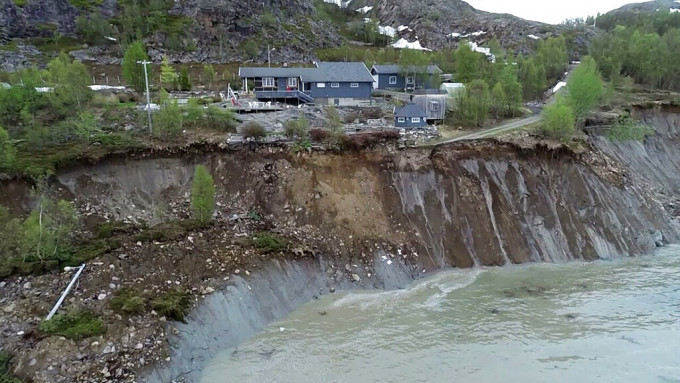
(345, 216)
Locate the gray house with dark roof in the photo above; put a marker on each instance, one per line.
(328, 83)
(410, 116)
(394, 77)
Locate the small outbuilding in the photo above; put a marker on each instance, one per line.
(410, 116)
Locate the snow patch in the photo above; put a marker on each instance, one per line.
(559, 86)
(482, 50)
(405, 44)
(402, 28)
(464, 35)
(44, 89)
(534, 37)
(339, 3)
(105, 87)
(365, 9)
(673, 10)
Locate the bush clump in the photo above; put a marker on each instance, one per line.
(253, 129)
(74, 324)
(128, 301)
(298, 128)
(269, 242)
(319, 135)
(175, 304)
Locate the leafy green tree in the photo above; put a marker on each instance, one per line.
(512, 89)
(70, 80)
(48, 230)
(533, 79)
(412, 63)
(473, 104)
(168, 121)
(251, 49)
(499, 100)
(85, 125)
(202, 195)
(209, 74)
(334, 125)
(584, 89)
(133, 73)
(558, 121)
(168, 74)
(467, 64)
(184, 80)
(7, 150)
(94, 28)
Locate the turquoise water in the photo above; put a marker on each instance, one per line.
(615, 321)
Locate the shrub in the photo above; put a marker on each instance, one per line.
(220, 119)
(366, 140)
(253, 129)
(75, 324)
(351, 117)
(5, 375)
(127, 301)
(319, 135)
(558, 121)
(184, 80)
(269, 242)
(298, 128)
(202, 195)
(175, 304)
(627, 129)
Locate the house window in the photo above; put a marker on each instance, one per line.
(434, 106)
(293, 82)
(415, 120)
(321, 85)
(268, 82)
(335, 85)
(354, 85)
(393, 80)
(410, 80)
(401, 119)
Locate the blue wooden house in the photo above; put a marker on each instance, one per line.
(410, 116)
(327, 83)
(392, 77)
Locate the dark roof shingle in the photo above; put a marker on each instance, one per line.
(393, 68)
(410, 110)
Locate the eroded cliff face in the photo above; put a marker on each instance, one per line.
(480, 203)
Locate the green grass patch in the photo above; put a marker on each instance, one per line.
(5, 375)
(20, 3)
(87, 4)
(175, 304)
(109, 229)
(128, 301)
(627, 129)
(169, 231)
(75, 324)
(269, 242)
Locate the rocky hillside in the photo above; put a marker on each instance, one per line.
(647, 7)
(441, 23)
(229, 30)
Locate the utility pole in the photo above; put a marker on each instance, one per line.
(269, 56)
(148, 98)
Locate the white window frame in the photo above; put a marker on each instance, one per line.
(268, 82)
(293, 82)
(410, 80)
(354, 85)
(320, 84)
(415, 120)
(401, 119)
(335, 85)
(393, 80)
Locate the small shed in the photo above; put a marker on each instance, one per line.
(433, 102)
(410, 116)
(452, 88)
